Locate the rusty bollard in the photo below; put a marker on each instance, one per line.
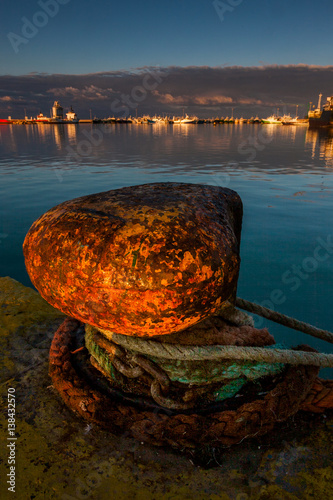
(143, 260)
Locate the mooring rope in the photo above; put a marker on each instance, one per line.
(261, 354)
(282, 319)
(197, 353)
(85, 393)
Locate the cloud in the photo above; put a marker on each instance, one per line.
(170, 99)
(195, 99)
(88, 93)
(212, 100)
(201, 90)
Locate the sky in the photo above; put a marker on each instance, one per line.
(215, 56)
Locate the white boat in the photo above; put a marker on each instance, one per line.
(272, 119)
(295, 121)
(72, 116)
(159, 120)
(185, 121)
(42, 119)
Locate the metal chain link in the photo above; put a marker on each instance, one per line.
(135, 366)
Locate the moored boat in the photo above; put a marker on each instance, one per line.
(272, 119)
(295, 121)
(72, 116)
(324, 117)
(185, 121)
(42, 119)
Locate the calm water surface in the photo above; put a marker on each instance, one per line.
(283, 175)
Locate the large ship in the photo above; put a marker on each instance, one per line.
(324, 117)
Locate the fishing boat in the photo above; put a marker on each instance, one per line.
(185, 121)
(295, 121)
(272, 119)
(146, 120)
(160, 120)
(324, 117)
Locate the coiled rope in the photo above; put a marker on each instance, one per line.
(299, 389)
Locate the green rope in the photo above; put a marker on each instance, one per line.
(232, 375)
(192, 371)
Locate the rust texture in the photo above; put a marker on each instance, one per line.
(320, 398)
(144, 260)
(180, 430)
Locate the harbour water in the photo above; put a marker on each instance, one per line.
(284, 175)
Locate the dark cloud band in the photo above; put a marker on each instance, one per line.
(204, 91)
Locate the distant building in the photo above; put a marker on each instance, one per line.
(57, 111)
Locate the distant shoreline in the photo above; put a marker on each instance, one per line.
(107, 121)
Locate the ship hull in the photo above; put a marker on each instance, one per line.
(324, 120)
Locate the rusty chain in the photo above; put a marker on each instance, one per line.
(135, 366)
(160, 384)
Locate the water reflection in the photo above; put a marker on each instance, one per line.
(59, 135)
(183, 148)
(321, 144)
(72, 132)
(280, 172)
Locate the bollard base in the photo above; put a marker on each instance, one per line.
(86, 392)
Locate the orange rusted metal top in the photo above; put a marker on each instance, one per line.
(143, 260)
